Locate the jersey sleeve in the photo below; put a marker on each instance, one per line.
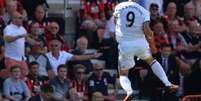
(67, 55)
(24, 30)
(116, 11)
(6, 31)
(146, 15)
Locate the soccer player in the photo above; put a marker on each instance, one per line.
(133, 34)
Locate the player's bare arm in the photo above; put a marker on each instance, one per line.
(149, 36)
(147, 30)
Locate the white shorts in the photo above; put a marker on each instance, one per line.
(129, 49)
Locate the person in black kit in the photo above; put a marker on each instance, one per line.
(99, 81)
(34, 80)
(80, 49)
(47, 93)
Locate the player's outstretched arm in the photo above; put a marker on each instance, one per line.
(147, 30)
(149, 36)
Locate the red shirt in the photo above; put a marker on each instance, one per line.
(81, 88)
(49, 37)
(2, 3)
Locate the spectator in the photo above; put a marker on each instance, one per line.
(22, 11)
(196, 5)
(88, 29)
(175, 37)
(80, 82)
(100, 36)
(37, 36)
(34, 81)
(60, 83)
(38, 52)
(57, 57)
(189, 12)
(30, 6)
(14, 37)
(99, 81)
(171, 10)
(45, 67)
(11, 6)
(53, 33)
(180, 5)
(193, 38)
(147, 4)
(39, 16)
(16, 89)
(154, 13)
(108, 47)
(47, 94)
(81, 45)
(160, 36)
(80, 49)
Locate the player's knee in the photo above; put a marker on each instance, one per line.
(123, 72)
(149, 60)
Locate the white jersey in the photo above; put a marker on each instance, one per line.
(130, 17)
(15, 49)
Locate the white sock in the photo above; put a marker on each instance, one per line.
(126, 84)
(159, 72)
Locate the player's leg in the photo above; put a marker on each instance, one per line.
(125, 63)
(156, 67)
(159, 72)
(125, 82)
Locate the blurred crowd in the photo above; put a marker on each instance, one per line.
(37, 64)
